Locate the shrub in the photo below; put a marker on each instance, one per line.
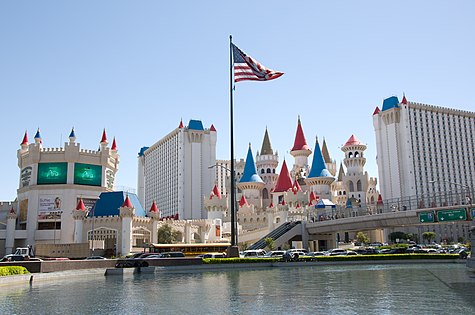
(13, 270)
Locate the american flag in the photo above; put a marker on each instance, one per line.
(247, 68)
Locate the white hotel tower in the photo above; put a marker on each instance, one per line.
(174, 172)
(423, 149)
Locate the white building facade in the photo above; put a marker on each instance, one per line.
(174, 172)
(424, 150)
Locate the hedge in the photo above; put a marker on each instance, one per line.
(13, 270)
(333, 258)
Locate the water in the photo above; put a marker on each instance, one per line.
(377, 289)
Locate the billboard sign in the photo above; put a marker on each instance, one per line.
(87, 174)
(25, 176)
(451, 215)
(52, 173)
(50, 207)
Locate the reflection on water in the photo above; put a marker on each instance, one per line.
(379, 289)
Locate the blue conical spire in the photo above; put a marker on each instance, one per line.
(72, 134)
(319, 168)
(37, 135)
(250, 172)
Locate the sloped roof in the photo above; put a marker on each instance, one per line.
(325, 153)
(266, 146)
(300, 143)
(250, 172)
(284, 182)
(323, 203)
(195, 125)
(353, 141)
(109, 203)
(319, 168)
(341, 173)
(390, 102)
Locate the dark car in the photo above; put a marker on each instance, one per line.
(95, 258)
(171, 255)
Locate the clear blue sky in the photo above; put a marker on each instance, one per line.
(137, 67)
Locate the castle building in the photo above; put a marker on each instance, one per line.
(423, 150)
(52, 180)
(175, 171)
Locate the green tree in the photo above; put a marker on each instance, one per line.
(362, 238)
(429, 236)
(270, 243)
(397, 235)
(166, 235)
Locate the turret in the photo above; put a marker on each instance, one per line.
(251, 183)
(267, 162)
(300, 151)
(319, 179)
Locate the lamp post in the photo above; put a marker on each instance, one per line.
(234, 234)
(464, 187)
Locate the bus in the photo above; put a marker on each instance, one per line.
(194, 249)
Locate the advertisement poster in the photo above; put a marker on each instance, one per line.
(23, 210)
(50, 208)
(25, 176)
(87, 174)
(52, 173)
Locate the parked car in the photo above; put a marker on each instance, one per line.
(316, 254)
(350, 253)
(254, 253)
(275, 253)
(95, 258)
(336, 252)
(213, 255)
(171, 255)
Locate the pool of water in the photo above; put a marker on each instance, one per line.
(371, 289)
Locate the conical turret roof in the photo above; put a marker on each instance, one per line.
(284, 182)
(243, 201)
(215, 192)
(104, 136)
(25, 139)
(154, 207)
(353, 141)
(341, 173)
(250, 172)
(300, 142)
(80, 205)
(318, 164)
(114, 145)
(38, 135)
(266, 146)
(127, 203)
(325, 153)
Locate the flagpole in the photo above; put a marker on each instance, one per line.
(233, 190)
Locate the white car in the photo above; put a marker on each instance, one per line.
(254, 253)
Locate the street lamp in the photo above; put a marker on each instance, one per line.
(234, 234)
(469, 200)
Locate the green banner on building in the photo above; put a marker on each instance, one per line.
(87, 174)
(451, 215)
(426, 217)
(52, 173)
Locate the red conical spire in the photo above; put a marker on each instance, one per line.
(271, 205)
(104, 136)
(154, 207)
(284, 182)
(114, 145)
(25, 139)
(296, 187)
(353, 141)
(80, 205)
(300, 142)
(212, 128)
(376, 111)
(127, 203)
(404, 100)
(12, 210)
(283, 202)
(215, 192)
(243, 201)
(380, 200)
(181, 124)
